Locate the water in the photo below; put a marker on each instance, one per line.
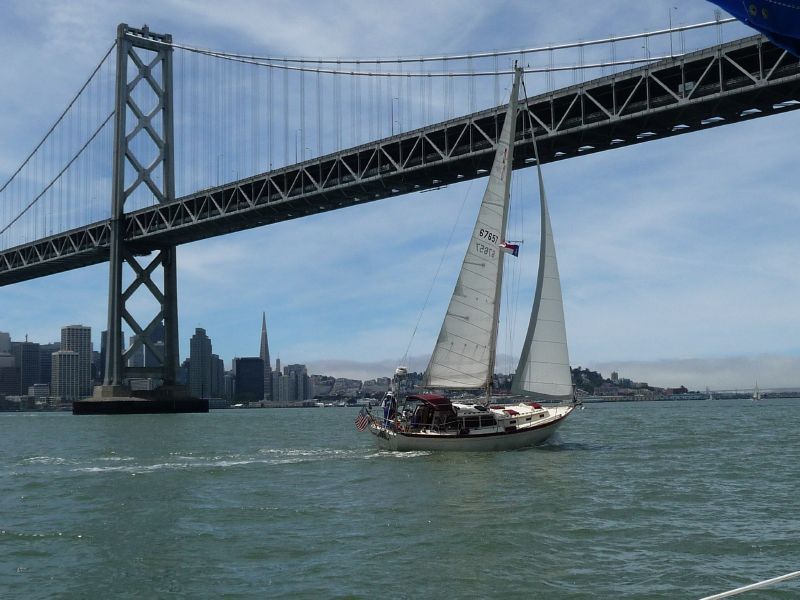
(646, 500)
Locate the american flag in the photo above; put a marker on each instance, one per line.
(362, 420)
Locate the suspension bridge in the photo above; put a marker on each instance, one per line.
(167, 143)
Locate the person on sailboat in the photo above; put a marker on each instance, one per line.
(389, 408)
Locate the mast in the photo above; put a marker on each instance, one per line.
(513, 106)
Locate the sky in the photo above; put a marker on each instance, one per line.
(677, 256)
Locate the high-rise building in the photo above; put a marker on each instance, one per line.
(200, 364)
(66, 376)
(26, 356)
(136, 358)
(299, 387)
(183, 373)
(157, 339)
(275, 382)
(249, 374)
(9, 376)
(78, 338)
(5, 342)
(144, 356)
(46, 360)
(217, 376)
(264, 356)
(97, 368)
(230, 386)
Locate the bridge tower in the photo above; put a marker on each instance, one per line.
(143, 129)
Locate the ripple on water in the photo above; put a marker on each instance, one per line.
(630, 501)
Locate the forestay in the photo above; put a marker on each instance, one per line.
(464, 354)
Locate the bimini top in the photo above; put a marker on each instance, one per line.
(435, 400)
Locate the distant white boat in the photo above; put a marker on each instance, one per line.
(756, 393)
(464, 355)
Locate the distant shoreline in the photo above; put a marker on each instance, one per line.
(686, 397)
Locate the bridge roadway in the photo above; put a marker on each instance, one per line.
(737, 81)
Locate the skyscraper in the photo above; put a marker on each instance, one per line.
(217, 377)
(9, 376)
(149, 359)
(249, 373)
(136, 359)
(65, 376)
(264, 355)
(5, 342)
(298, 385)
(78, 338)
(26, 357)
(46, 361)
(200, 364)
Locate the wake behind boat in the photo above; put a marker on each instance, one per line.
(464, 355)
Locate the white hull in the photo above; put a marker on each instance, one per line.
(523, 437)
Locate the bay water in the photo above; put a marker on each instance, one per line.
(629, 500)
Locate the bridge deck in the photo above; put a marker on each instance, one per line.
(740, 80)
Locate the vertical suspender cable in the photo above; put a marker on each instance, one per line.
(270, 120)
(285, 117)
(256, 116)
(319, 113)
(302, 113)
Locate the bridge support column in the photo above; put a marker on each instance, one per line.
(144, 93)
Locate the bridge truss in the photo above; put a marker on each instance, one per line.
(733, 82)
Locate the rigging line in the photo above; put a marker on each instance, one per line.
(436, 275)
(60, 173)
(533, 50)
(63, 114)
(286, 67)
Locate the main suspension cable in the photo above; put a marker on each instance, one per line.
(60, 118)
(411, 59)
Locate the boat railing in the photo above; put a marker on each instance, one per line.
(752, 586)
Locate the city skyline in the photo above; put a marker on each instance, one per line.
(214, 372)
(677, 255)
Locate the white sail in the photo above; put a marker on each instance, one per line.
(464, 354)
(543, 371)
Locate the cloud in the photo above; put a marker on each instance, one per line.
(677, 248)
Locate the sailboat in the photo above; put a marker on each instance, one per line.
(756, 393)
(464, 355)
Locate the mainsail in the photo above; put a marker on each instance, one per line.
(543, 371)
(464, 354)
